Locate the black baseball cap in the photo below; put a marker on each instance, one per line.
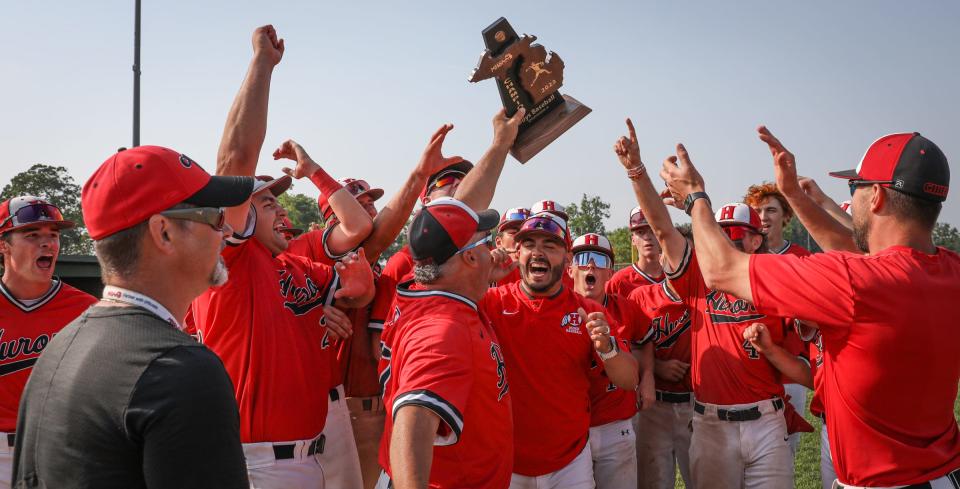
(905, 162)
(444, 226)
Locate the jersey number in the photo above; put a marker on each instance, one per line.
(752, 352)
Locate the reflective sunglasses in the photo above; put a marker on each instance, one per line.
(853, 184)
(33, 213)
(487, 240)
(357, 187)
(515, 216)
(543, 223)
(212, 216)
(583, 259)
(446, 181)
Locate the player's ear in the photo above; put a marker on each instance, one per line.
(159, 231)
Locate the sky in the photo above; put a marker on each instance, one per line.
(363, 85)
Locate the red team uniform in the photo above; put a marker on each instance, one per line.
(25, 330)
(264, 323)
(443, 356)
(549, 355)
(398, 267)
(630, 327)
(890, 422)
(625, 280)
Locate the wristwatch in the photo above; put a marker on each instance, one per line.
(613, 350)
(691, 198)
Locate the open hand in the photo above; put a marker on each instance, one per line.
(682, 178)
(356, 276)
(505, 128)
(290, 150)
(503, 265)
(784, 163)
(432, 159)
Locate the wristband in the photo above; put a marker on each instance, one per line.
(636, 172)
(691, 198)
(614, 349)
(325, 183)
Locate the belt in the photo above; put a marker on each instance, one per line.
(953, 478)
(749, 414)
(673, 397)
(11, 439)
(334, 395)
(285, 451)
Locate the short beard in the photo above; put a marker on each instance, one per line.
(219, 275)
(556, 273)
(861, 235)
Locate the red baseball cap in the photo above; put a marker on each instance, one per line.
(551, 207)
(456, 170)
(134, 184)
(444, 226)
(25, 210)
(546, 223)
(356, 187)
(905, 162)
(593, 242)
(513, 218)
(637, 219)
(737, 219)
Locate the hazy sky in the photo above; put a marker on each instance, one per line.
(363, 84)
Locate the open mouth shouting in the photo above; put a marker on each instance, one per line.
(538, 270)
(590, 279)
(45, 262)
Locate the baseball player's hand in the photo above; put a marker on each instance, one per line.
(810, 187)
(670, 370)
(628, 149)
(505, 128)
(646, 392)
(336, 322)
(758, 336)
(266, 45)
(290, 150)
(599, 330)
(355, 275)
(432, 159)
(784, 164)
(681, 177)
(502, 265)
(668, 199)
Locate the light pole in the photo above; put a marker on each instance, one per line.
(136, 76)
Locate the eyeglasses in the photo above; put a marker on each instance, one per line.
(487, 240)
(600, 260)
(853, 184)
(212, 216)
(34, 213)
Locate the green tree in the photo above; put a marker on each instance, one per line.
(588, 216)
(55, 185)
(796, 233)
(301, 210)
(947, 236)
(622, 247)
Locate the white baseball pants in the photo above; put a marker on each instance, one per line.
(578, 474)
(663, 443)
(613, 447)
(339, 458)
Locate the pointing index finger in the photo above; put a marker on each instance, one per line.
(633, 132)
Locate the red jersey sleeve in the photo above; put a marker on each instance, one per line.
(432, 361)
(814, 288)
(398, 266)
(686, 279)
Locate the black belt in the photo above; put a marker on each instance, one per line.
(282, 452)
(738, 414)
(11, 439)
(334, 395)
(953, 477)
(673, 397)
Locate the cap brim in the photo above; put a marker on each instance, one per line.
(64, 224)
(223, 191)
(489, 219)
(846, 174)
(641, 226)
(516, 223)
(374, 194)
(277, 186)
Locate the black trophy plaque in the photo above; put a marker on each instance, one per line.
(529, 76)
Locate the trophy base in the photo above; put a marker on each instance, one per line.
(550, 127)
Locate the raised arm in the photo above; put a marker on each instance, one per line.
(672, 242)
(477, 188)
(355, 223)
(247, 120)
(813, 190)
(829, 233)
(390, 220)
(723, 266)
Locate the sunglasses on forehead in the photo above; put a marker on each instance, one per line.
(212, 216)
(356, 187)
(600, 260)
(34, 213)
(515, 216)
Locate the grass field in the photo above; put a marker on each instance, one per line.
(807, 468)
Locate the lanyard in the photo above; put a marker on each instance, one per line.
(116, 294)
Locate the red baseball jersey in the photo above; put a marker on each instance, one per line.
(264, 323)
(891, 367)
(352, 359)
(398, 269)
(608, 402)
(25, 330)
(670, 325)
(626, 279)
(549, 356)
(725, 368)
(444, 357)
(511, 277)
(791, 249)
(815, 356)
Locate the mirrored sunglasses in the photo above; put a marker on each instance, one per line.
(600, 260)
(34, 213)
(212, 216)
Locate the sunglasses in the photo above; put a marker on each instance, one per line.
(357, 187)
(515, 216)
(853, 184)
(212, 216)
(487, 240)
(34, 213)
(600, 260)
(446, 181)
(547, 224)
